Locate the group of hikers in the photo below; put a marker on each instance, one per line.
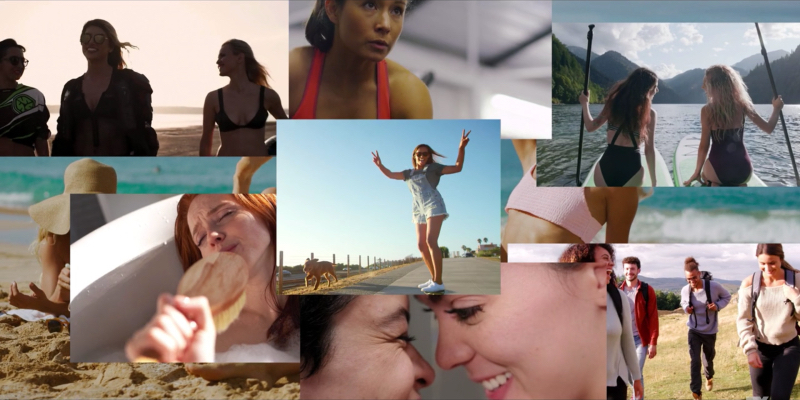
(767, 322)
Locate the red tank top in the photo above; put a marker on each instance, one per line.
(308, 104)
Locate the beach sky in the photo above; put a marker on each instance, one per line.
(335, 200)
(178, 42)
(725, 261)
(670, 49)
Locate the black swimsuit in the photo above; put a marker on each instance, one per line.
(226, 125)
(620, 163)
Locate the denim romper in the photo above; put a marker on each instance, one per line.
(426, 202)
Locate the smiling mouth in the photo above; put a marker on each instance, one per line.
(496, 382)
(230, 248)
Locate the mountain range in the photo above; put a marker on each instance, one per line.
(686, 88)
(676, 284)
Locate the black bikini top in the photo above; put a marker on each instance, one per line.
(226, 125)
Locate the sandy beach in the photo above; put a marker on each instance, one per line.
(34, 363)
(186, 141)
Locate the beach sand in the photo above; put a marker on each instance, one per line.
(34, 363)
(186, 141)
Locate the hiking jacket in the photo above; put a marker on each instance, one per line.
(646, 319)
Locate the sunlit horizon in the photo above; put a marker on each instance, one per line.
(177, 42)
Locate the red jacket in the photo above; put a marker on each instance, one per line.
(646, 320)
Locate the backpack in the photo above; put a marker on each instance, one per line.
(645, 288)
(616, 298)
(706, 277)
(755, 288)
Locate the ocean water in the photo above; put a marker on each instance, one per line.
(28, 180)
(713, 215)
(160, 121)
(769, 153)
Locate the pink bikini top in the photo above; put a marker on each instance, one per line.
(563, 206)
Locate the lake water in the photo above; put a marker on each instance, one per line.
(769, 154)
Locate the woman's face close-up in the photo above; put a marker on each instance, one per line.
(603, 258)
(218, 223)
(532, 341)
(7, 69)
(370, 356)
(421, 155)
(771, 265)
(226, 61)
(91, 49)
(370, 28)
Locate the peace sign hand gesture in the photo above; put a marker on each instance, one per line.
(376, 158)
(464, 139)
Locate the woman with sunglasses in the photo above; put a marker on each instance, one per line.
(344, 74)
(23, 113)
(241, 130)
(428, 210)
(106, 111)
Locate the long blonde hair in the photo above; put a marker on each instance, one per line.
(115, 57)
(256, 72)
(727, 96)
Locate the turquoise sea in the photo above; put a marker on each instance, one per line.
(29, 180)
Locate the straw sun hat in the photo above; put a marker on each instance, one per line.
(83, 176)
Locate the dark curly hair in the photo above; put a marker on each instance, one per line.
(316, 329)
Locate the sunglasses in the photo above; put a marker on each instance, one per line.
(14, 60)
(422, 154)
(98, 38)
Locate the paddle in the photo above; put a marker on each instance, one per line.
(585, 90)
(775, 96)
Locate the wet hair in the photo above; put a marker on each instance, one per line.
(583, 253)
(690, 264)
(727, 95)
(774, 249)
(115, 56)
(7, 44)
(317, 328)
(632, 260)
(628, 104)
(256, 72)
(320, 28)
(264, 206)
(430, 156)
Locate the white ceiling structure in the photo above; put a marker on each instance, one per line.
(477, 51)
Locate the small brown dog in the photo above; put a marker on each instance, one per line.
(317, 269)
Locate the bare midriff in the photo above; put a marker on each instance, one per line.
(242, 142)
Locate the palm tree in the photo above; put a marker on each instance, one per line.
(485, 240)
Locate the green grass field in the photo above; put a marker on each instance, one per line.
(667, 375)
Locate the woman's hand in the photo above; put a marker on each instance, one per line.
(777, 103)
(790, 292)
(464, 139)
(63, 279)
(754, 359)
(37, 301)
(638, 390)
(181, 331)
(584, 98)
(376, 158)
(695, 177)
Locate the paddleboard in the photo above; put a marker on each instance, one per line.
(663, 177)
(684, 162)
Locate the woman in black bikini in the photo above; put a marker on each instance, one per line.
(627, 110)
(107, 110)
(728, 163)
(241, 108)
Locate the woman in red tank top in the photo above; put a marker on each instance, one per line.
(344, 74)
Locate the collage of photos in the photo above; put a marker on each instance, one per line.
(661, 259)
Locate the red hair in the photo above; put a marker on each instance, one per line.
(265, 207)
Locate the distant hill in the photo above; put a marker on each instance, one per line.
(595, 75)
(751, 62)
(786, 71)
(568, 76)
(614, 65)
(580, 52)
(666, 95)
(676, 284)
(688, 85)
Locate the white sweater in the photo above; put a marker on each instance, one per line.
(620, 347)
(775, 323)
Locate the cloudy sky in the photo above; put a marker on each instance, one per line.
(670, 49)
(725, 261)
